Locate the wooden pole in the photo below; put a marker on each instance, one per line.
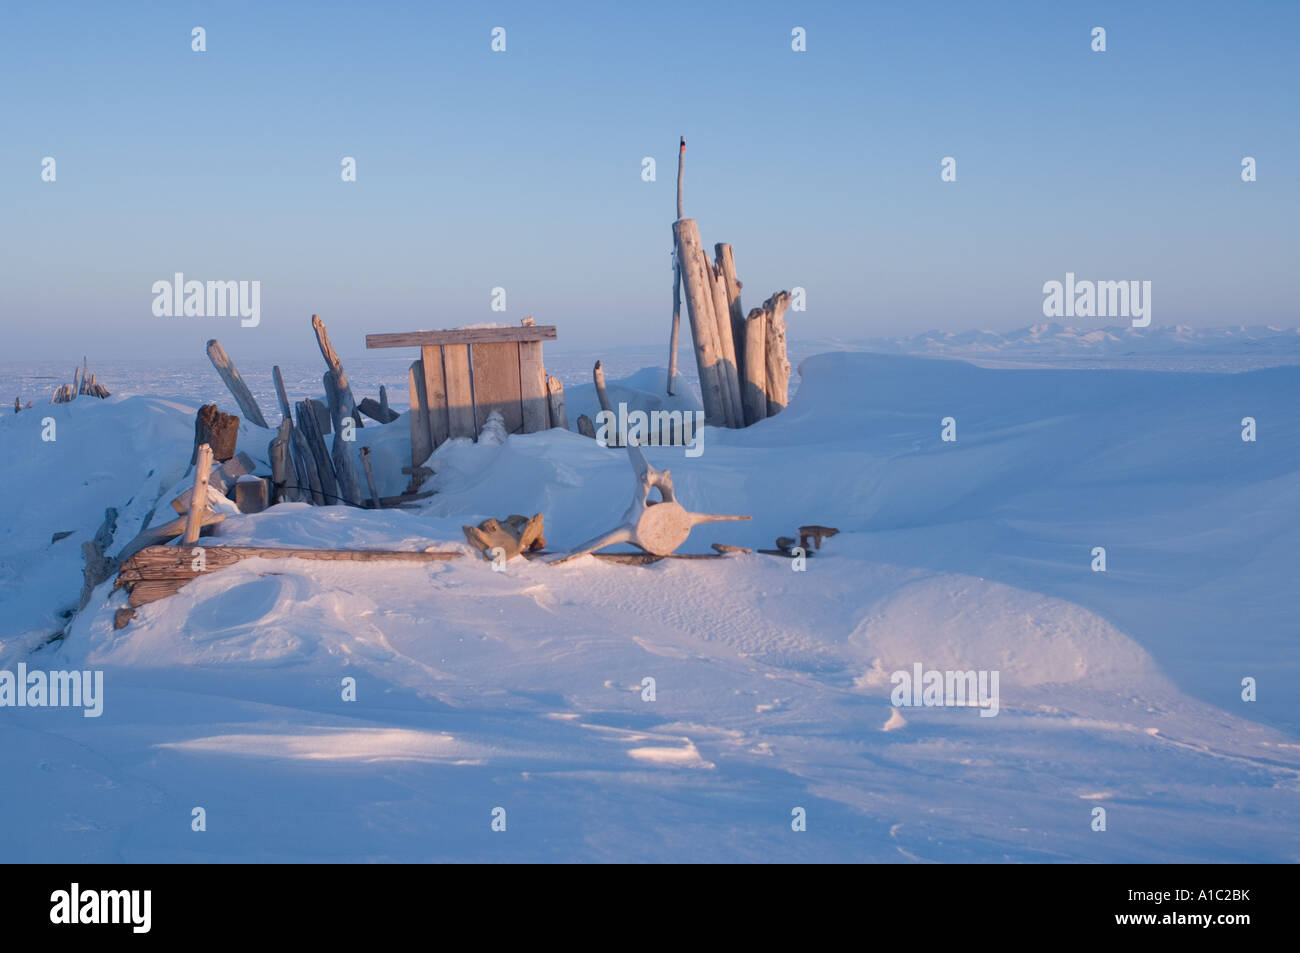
(235, 384)
(754, 387)
(598, 374)
(555, 399)
(370, 477)
(199, 499)
(344, 468)
(699, 307)
(418, 415)
(310, 427)
(730, 375)
(332, 359)
(725, 262)
(677, 276)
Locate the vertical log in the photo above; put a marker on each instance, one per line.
(310, 427)
(332, 359)
(199, 498)
(344, 468)
(383, 404)
(778, 368)
(308, 479)
(726, 264)
(370, 477)
(280, 393)
(281, 464)
(730, 374)
(598, 375)
(677, 323)
(235, 384)
(754, 388)
(460, 396)
(421, 445)
(699, 308)
(555, 399)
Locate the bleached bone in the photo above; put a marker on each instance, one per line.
(656, 526)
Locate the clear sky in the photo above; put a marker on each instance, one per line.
(523, 169)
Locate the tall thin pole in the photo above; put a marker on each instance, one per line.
(677, 276)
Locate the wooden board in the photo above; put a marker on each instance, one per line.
(419, 415)
(496, 384)
(435, 390)
(532, 387)
(460, 398)
(468, 336)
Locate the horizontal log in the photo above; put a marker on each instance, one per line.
(175, 562)
(544, 332)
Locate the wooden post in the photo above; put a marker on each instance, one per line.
(699, 306)
(281, 464)
(778, 368)
(677, 276)
(235, 384)
(199, 499)
(332, 359)
(370, 477)
(754, 387)
(598, 375)
(421, 446)
(585, 426)
(730, 376)
(344, 468)
(532, 386)
(383, 405)
(435, 393)
(280, 393)
(555, 399)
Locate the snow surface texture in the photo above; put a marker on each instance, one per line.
(523, 689)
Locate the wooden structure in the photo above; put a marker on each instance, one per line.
(464, 375)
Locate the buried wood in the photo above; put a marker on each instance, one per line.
(235, 384)
(658, 527)
(511, 536)
(157, 535)
(370, 477)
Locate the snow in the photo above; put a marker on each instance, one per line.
(524, 689)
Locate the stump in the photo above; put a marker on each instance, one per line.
(218, 430)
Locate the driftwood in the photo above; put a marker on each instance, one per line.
(557, 415)
(815, 534)
(376, 410)
(656, 527)
(344, 467)
(329, 487)
(421, 445)
(585, 426)
(235, 384)
(778, 368)
(677, 276)
(157, 535)
(182, 503)
(753, 388)
(280, 393)
(525, 332)
(532, 385)
(220, 431)
(202, 470)
(252, 495)
(370, 477)
(728, 376)
(283, 474)
(697, 278)
(347, 403)
(725, 264)
(514, 535)
(724, 549)
(611, 428)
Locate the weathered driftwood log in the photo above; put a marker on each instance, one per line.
(677, 276)
(727, 366)
(283, 474)
(611, 428)
(344, 467)
(778, 368)
(585, 426)
(514, 535)
(329, 486)
(725, 264)
(815, 534)
(698, 281)
(166, 532)
(332, 359)
(202, 470)
(753, 388)
(377, 411)
(280, 393)
(370, 477)
(182, 503)
(218, 430)
(252, 494)
(658, 527)
(235, 384)
(557, 415)
(421, 444)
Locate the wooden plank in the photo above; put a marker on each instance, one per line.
(418, 414)
(235, 384)
(544, 332)
(559, 417)
(143, 593)
(435, 389)
(202, 470)
(532, 387)
(496, 384)
(370, 476)
(460, 396)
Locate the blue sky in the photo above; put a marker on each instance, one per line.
(523, 169)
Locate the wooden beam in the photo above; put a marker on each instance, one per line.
(235, 384)
(171, 562)
(344, 467)
(778, 368)
(544, 332)
(418, 415)
(727, 366)
(307, 423)
(435, 392)
(611, 429)
(496, 384)
(532, 386)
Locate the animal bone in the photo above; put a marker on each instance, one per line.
(656, 526)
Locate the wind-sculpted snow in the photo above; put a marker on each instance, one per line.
(771, 688)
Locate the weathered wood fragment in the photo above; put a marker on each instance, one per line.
(370, 477)
(778, 368)
(558, 416)
(280, 393)
(727, 366)
(532, 387)
(347, 402)
(585, 426)
(815, 534)
(539, 332)
(611, 428)
(435, 389)
(418, 415)
(345, 469)
(218, 430)
(377, 411)
(283, 474)
(514, 535)
(329, 486)
(754, 387)
(235, 384)
(202, 469)
(460, 396)
(252, 494)
(496, 384)
(724, 549)
(122, 618)
(698, 281)
(166, 532)
(725, 262)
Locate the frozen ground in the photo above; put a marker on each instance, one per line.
(522, 689)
